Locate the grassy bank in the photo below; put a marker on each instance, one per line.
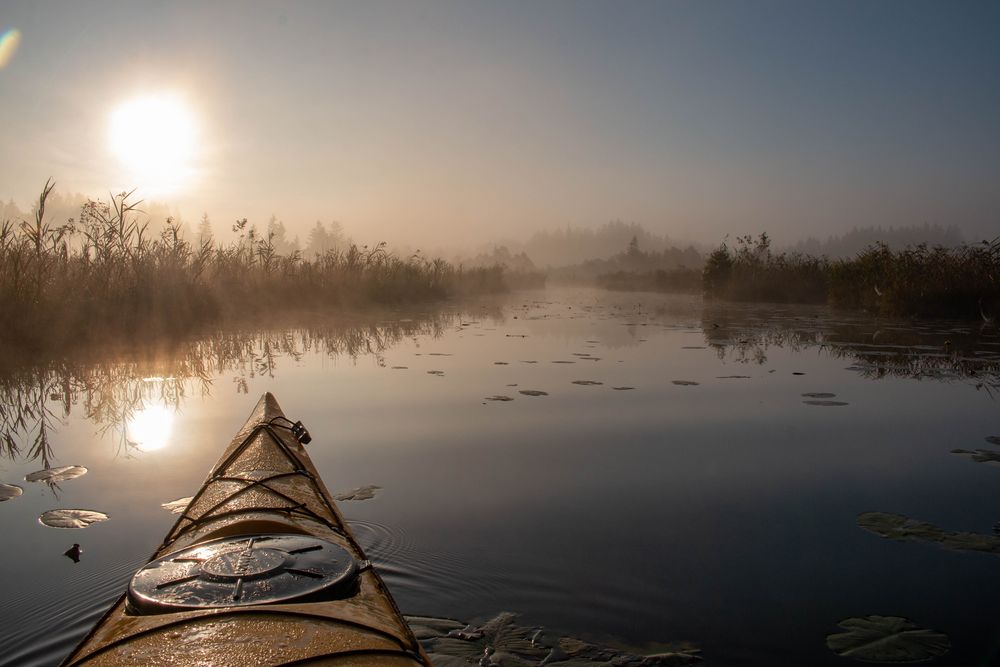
(102, 274)
(916, 281)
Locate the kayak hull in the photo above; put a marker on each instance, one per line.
(263, 485)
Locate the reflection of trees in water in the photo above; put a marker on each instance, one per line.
(109, 392)
(877, 348)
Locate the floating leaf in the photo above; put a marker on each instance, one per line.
(501, 642)
(732, 377)
(9, 491)
(887, 639)
(980, 455)
(55, 475)
(533, 392)
(686, 383)
(400, 368)
(177, 506)
(587, 382)
(500, 363)
(826, 403)
(564, 362)
(902, 528)
(71, 518)
(818, 394)
(438, 373)
(360, 493)
(623, 388)
(499, 398)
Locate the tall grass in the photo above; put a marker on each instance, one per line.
(103, 274)
(916, 281)
(752, 272)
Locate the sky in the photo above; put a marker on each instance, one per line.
(449, 123)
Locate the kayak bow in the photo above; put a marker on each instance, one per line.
(260, 569)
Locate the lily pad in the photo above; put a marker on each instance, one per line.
(71, 518)
(9, 491)
(825, 403)
(732, 377)
(502, 642)
(529, 362)
(818, 394)
(499, 397)
(980, 455)
(54, 475)
(438, 373)
(533, 392)
(177, 506)
(400, 368)
(623, 388)
(587, 382)
(887, 639)
(686, 383)
(563, 362)
(903, 528)
(360, 493)
(500, 363)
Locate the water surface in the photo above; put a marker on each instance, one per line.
(666, 470)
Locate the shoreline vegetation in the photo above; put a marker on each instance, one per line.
(103, 275)
(916, 281)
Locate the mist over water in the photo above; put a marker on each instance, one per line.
(666, 470)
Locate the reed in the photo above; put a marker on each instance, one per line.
(104, 274)
(917, 281)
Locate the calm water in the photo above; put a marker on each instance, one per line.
(721, 513)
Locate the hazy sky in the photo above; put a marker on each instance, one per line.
(458, 122)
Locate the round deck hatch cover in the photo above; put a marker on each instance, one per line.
(240, 571)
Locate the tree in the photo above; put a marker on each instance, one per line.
(205, 231)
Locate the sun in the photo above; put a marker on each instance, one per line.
(149, 429)
(154, 138)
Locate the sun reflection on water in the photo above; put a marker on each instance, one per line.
(150, 428)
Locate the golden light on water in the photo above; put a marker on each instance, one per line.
(149, 428)
(154, 138)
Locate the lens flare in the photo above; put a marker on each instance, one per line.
(9, 41)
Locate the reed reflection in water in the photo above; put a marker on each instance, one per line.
(728, 497)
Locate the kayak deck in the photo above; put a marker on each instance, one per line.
(230, 596)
